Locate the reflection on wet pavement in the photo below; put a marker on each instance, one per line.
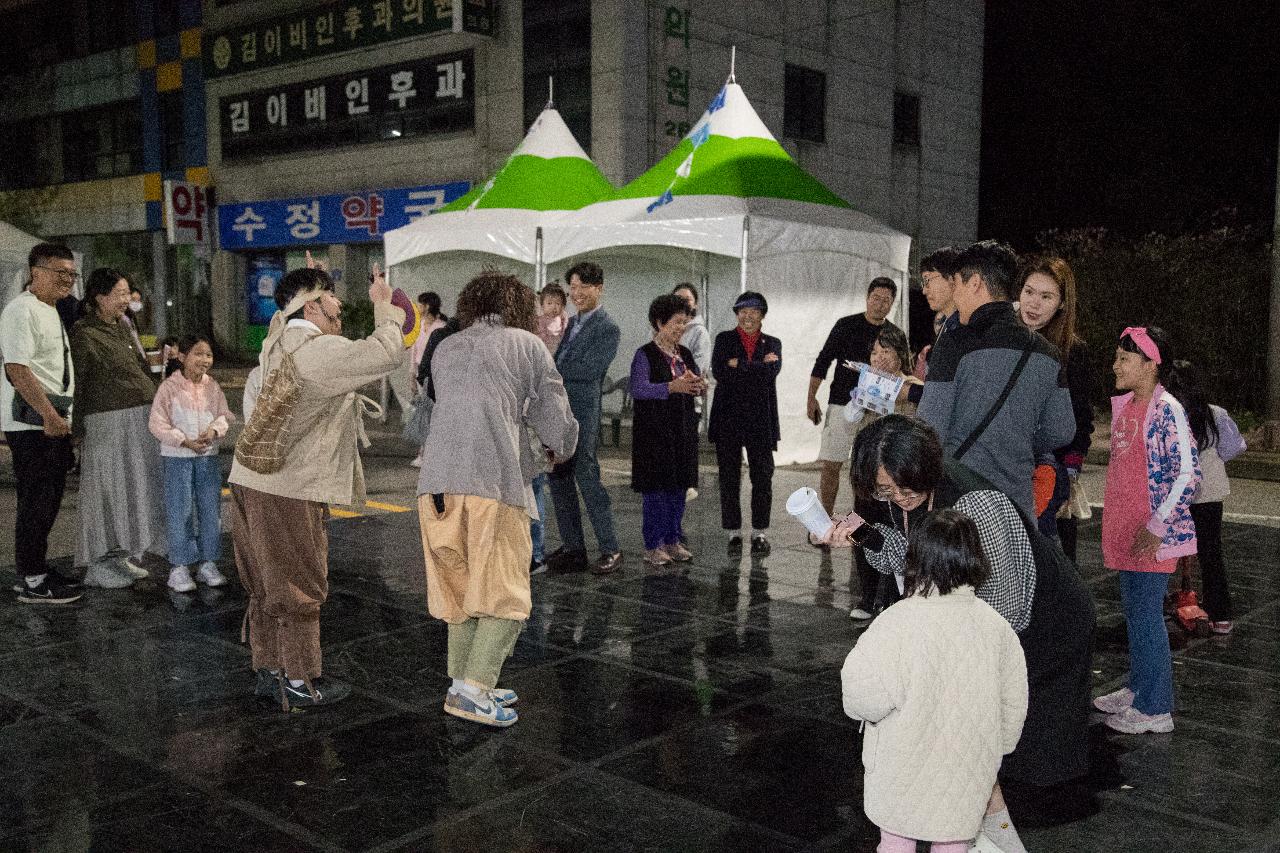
(692, 709)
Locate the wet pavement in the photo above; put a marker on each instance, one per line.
(692, 710)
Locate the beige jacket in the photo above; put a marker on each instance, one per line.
(324, 463)
(942, 684)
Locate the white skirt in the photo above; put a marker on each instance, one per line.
(121, 487)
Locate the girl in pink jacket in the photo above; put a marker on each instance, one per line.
(189, 416)
(1146, 522)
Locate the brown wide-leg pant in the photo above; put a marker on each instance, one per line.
(282, 555)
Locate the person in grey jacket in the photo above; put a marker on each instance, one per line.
(970, 368)
(474, 496)
(587, 349)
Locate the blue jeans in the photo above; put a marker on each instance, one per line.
(536, 528)
(661, 514)
(1150, 664)
(582, 474)
(193, 483)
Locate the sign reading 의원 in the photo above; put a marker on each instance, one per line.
(356, 217)
(336, 27)
(425, 96)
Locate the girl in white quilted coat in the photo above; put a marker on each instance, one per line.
(940, 681)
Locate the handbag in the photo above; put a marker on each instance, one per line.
(417, 424)
(264, 444)
(24, 413)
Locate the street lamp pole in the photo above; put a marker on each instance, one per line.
(1272, 431)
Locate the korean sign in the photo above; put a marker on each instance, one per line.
(186, 214)
(671, 111)
(425, 96)
(356, 217)
(337, 27)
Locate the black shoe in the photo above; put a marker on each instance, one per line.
(327, 692)
(49, 591)
(760, 546)
(563, 561)
(735, 544)
(537, 567)
(267, 685)
(607, 564)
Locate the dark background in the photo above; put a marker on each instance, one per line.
(1136, 116)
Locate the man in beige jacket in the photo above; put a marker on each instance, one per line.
(278, 519)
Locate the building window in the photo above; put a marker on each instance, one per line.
(111, 24)
(557, 44)
(172, 132)
(105, 142)
(906, 119)
(804, 104)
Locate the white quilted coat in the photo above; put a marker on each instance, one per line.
(942, 684)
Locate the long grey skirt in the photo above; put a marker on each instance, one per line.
(121, 487)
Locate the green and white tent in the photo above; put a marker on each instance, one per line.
(546, 176)
(729, 209)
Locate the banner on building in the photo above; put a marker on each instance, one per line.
(336, 27)
(356, 217)
(186, 215)
(425, 96)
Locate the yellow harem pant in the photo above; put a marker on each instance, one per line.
(477, 553)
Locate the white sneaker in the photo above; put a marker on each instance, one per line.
(209, 575)
(859, 613)
(1131, 721)
(982, 844)
(1114, 703)
(132, 565)
(107, 574)
(180, 579)
(417, 461)
(690, 494)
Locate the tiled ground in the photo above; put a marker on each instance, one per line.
(687, 711)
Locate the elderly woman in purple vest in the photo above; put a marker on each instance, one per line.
(664, 442)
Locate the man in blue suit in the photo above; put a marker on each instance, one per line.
(587, 349)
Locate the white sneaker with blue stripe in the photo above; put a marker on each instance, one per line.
(485, 711)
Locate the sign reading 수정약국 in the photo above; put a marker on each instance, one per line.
(337, 27)
(425, 96)
(355, 217)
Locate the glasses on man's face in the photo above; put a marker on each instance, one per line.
(69, 276)
(893, 493)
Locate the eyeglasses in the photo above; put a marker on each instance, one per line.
(888, 493)
(65, 275)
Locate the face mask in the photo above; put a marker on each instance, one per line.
(135, 307)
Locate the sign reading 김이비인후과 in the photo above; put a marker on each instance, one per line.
(416, 98)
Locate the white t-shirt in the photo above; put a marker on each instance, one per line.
(31, 334)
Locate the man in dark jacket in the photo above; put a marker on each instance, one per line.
(744, 416)
(971, 367)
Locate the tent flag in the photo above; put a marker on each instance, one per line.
(728, 152)
(548, 171)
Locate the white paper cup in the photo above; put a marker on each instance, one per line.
(808, 510)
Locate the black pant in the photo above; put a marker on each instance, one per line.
(40, 466)
(1213, 577)
(760, 468)
(1068, 535)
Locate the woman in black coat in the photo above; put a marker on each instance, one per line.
(744, 416)
(664, 435)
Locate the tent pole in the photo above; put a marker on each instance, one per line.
(539, 271)
(746, 239)
(733, 62)
(551, 92)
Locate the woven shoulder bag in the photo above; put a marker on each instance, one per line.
(265, 442)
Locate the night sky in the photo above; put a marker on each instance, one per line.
(1135, 115)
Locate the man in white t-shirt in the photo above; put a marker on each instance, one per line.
(35, 414)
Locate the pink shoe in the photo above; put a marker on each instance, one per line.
(1114, 703)
(1131, 721)
(1223, 627)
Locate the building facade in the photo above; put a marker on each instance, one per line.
(102, 101)
(321, 125)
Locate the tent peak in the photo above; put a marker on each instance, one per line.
(550, 137)
(733, 61)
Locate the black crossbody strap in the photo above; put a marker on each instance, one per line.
(997, 406)
(66, 358)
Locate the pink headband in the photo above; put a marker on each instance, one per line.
(1139, 336)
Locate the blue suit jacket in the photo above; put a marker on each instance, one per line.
(582, 363)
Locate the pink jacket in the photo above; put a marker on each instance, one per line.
(184, 409)
(1173, 471)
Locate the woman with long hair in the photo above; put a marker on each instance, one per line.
(1047, 304)
(121, 478)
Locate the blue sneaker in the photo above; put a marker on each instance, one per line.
(488, 713)
(505, 698)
